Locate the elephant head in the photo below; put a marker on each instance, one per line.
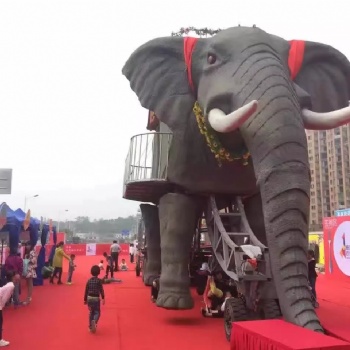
(243, 84)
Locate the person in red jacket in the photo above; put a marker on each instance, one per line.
(14, 263)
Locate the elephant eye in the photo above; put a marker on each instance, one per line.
(211, 58)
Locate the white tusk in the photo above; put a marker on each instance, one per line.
(325, 121)
(221, 122)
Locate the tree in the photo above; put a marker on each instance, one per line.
(83, 224)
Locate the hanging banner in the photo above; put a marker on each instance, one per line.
(3, 216)
(26, 221)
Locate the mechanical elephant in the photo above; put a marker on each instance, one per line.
(244, 98)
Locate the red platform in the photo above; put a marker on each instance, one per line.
(280, 335)
(334, 311)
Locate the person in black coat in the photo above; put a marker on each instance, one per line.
(312, 271)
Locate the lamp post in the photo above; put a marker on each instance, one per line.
(26, 200)
(58, 221)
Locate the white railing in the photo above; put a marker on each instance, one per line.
(148, 157)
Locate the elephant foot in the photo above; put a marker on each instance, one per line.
(175, 301)
(149, 277)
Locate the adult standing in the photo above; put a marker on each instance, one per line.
(14, 263)
(132, 252)
(29, 269)
(57, 262)
(115, 250)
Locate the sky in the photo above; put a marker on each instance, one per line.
(66, 111)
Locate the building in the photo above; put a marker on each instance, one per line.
(330, 169)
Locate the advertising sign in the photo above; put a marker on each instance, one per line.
(342, 212)
(125, 233)
(90, 249)
(337, 246)
(5, 181)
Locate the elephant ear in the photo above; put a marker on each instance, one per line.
(325, 76)
(158, 75)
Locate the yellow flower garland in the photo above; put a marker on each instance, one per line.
(213, 142)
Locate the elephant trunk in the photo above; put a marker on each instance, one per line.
(276, 140)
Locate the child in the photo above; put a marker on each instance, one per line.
(93, 292)
(110, 280)
(5, 295)
(71, 268)
(132, 252)
(123, 266)
(109, 267)
(100, 265)
(155, 290)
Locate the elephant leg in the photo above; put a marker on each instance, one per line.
(152, 266)
(177, 216)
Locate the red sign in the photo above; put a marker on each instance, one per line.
(81, 249)
(77, 249)
(336, 234)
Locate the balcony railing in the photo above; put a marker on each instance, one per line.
(146, 163)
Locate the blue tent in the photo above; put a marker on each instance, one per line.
(14, 226)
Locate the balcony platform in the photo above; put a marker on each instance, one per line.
(147, 191)
(146, 166)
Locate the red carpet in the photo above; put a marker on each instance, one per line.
(334, 310)
(57, 319)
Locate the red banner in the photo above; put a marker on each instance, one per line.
(90, 249)
(336, 233)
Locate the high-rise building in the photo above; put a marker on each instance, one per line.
(329, 160)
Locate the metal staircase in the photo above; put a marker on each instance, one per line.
(228, 231)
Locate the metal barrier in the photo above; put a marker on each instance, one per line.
(148, 157)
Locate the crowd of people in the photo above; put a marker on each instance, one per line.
(21, 265)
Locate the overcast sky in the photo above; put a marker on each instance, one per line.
(66, 111)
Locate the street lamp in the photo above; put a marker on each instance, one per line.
(26, 199)
(58, 221)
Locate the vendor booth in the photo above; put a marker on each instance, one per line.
(17, 226)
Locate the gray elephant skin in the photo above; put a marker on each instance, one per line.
(229, 70)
